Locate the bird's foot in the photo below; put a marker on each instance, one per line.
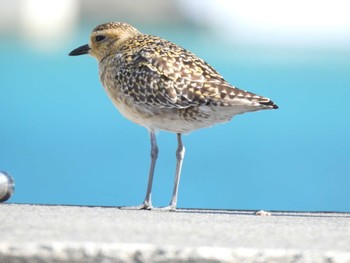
(165, 208)
(146, 206)
(143, 206)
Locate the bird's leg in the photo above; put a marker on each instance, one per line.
(154, 155)
(147, 203)
(180, 153)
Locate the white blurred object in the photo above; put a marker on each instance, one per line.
(8, 15)
(286, 23)
(46, 23)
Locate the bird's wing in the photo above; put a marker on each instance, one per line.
(163, 74)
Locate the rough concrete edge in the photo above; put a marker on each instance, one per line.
(73, 252)
(200, 210)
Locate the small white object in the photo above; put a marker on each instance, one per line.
(262, 213)
(7, 186)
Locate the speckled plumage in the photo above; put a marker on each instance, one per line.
(160, 85)
(162, 82)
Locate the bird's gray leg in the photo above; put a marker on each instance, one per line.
(180, 153)
(154, 155)
(147, 203)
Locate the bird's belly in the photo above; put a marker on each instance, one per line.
(170, 119)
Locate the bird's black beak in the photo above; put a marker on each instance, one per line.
(80, 51)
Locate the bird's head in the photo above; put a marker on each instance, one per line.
(105, 39)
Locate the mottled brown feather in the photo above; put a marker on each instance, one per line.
(159, 73)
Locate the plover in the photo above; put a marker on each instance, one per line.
(162, 86)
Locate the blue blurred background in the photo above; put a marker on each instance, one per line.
(65, 143)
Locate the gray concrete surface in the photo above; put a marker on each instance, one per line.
(62, 234)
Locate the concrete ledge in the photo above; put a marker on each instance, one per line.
(62, 234)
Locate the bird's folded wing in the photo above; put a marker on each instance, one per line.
(168, 76)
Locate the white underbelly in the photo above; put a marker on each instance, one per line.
(173, 119)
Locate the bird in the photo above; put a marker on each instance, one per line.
(163, 87)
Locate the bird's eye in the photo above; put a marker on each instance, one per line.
(99, 38)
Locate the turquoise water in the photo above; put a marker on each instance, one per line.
(64, 142)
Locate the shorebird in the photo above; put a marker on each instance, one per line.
(162, 86)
